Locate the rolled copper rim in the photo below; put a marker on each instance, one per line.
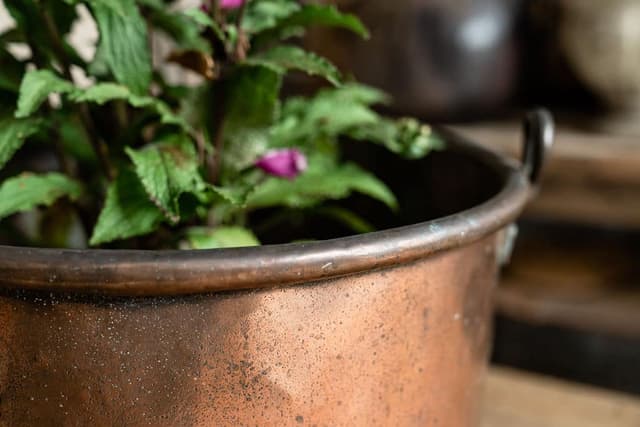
(181, 272)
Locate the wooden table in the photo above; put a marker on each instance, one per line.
(517, 399)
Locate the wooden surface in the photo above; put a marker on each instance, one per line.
(590, 178)
(576, 278)
(516, 399)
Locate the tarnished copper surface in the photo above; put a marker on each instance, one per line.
(404, 346)
(388, 328)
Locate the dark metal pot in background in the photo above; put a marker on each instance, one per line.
(386, 328)
(439, 59)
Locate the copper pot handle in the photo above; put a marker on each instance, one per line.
(539, 132)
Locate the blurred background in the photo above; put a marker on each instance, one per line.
(568, 305)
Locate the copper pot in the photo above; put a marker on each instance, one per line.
(386, 328)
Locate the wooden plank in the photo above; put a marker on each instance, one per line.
(590, 178)
(576, 278)
(517, 399)
(613, 313)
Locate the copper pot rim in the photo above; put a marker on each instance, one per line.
(182, 272)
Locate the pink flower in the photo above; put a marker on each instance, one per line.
(287, 163)
(230, 4)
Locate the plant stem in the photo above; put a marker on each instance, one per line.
(99, 146)
(239, 54)
(218, 144)
(242, 44)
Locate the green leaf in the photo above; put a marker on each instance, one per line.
(102, 93)
(26, 191)
(356, 93)
(167, 170)
(13, 133)
(330, 113)
(283, 58)
(123, 42)
(167, 116)
(127, 211)
(244, 148)
(179, 27)
(320, 182)
(201, 18)
(251, 97)
(36, 86)
(265, 14)
(327, 15)
(220, 237)
(120, 7)
(406, 137)
(313, 14)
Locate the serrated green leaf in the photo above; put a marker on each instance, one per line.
(320, 183)
(330, 113)
(220, 237)
(265, 14)
(251, 97)
(326, 15)
(36, 86)
(287, 57)
(26, 191)
(167, 170)
(13, 133)
(311, 15)
(123, 42)
(127, 211)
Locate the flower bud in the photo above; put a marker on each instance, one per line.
(287, 163)
(230, 4)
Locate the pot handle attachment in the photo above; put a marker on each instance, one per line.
(539, 131)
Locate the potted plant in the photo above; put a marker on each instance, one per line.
(176, 315)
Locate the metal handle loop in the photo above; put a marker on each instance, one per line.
(538, 139)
